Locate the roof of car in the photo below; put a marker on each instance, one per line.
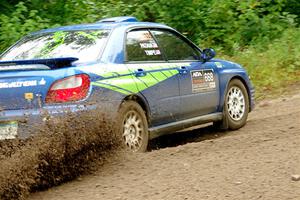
(108, 23)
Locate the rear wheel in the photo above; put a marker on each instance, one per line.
(236, 106)
(133, 126)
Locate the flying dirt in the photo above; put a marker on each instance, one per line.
(62, 149)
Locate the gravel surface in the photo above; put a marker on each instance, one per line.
(259, 161)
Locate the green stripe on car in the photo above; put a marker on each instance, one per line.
(134, 84)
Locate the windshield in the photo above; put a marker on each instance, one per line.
(85, 45)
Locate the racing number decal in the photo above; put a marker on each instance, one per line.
(203, 80)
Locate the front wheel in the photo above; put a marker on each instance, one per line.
(133, 126)
(236, 106)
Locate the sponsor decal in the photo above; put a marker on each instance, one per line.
(42, 82)
(20, 84)
(153, 52)
(149, 45)
(146, 36)
(203, 80)
(28, 96)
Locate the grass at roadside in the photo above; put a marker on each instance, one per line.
(274, 66)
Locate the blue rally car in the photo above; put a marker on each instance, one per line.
(157, 80)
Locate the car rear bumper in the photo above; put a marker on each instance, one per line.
(27, 122)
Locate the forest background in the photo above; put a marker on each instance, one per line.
(263, 36)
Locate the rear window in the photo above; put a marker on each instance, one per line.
(86, 45)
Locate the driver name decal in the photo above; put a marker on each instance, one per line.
(203, 80)
(20, 84)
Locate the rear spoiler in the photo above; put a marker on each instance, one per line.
(37, 64)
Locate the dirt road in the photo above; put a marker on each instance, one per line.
(255, 162)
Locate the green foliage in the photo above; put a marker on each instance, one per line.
(18, 23)
(275, 65)
(292, 7)
(228, 24)
(260, 34)
(237, 24)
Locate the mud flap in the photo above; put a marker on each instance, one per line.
(223, 124)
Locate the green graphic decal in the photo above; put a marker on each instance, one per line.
(114, 74)
(112, 88)
(126, 82)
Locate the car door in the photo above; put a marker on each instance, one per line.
(198, 81)
(156, 79)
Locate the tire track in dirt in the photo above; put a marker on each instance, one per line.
(255, 162)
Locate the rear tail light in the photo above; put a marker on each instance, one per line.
(73, 88)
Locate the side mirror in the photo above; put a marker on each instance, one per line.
(208, 54)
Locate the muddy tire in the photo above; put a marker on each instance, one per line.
(236, 107)
(133, 126)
